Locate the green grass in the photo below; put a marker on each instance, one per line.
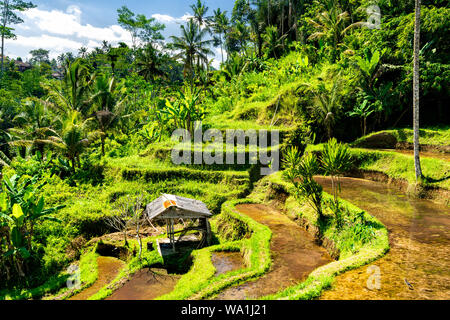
(399, 166)
(52, 285)
(436, 172)
(439, 136)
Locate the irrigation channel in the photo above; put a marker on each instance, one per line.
(418, 264)
(108, 269)
(294, 253)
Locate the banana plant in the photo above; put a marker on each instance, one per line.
(363, 111)
(25, 208)
(185, 110)
(16, 225)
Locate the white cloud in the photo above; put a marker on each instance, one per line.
(164, 18)
(69, 24)
(60, 31)
(56, 45)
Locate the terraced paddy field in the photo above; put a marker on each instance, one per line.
(418, 264)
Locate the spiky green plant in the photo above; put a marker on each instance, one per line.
(300, 171)
(335, 161)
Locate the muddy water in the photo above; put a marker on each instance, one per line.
(108, 269)
(225, 262)
(294, 254)
(146, 284)
(419, 233)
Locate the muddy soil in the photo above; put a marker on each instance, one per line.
(294, 252)
(108, 269)
(146, 284)
(418, 264)
(225, 262)
(424, 154)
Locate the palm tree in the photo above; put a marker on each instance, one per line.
(82, 52)
(72, 144)
(107, 99)
(220, 26)
(363, 111)
(35, 126)
(72, 94)
(272, 42)
(335, 161)
(330, 26)
(327, 104)
(416, 91)
(192, 46)
(149, 63)
(200, 10)
(242, 34)
(72, 140)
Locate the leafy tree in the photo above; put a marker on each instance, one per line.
(237, 37)
(39, 56)
(9, 17)
(368, 66)
(140, 27)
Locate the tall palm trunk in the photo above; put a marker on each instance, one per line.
(416, 91)
(5, 18)
(3, 46)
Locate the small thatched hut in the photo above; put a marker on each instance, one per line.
(170, 208)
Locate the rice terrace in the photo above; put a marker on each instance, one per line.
(260, 150)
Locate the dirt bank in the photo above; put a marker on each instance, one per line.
(294, 252)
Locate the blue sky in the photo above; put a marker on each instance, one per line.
(66, 25)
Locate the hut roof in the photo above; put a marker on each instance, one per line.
(171, 206)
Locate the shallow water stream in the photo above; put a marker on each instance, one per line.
(146, 284)
(418, 264)
(294, 255)
(108, 269)
(225, 262)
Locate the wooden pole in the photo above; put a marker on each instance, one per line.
(208, 232)
(173, 234)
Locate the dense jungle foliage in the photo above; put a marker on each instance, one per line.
(72, 130)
